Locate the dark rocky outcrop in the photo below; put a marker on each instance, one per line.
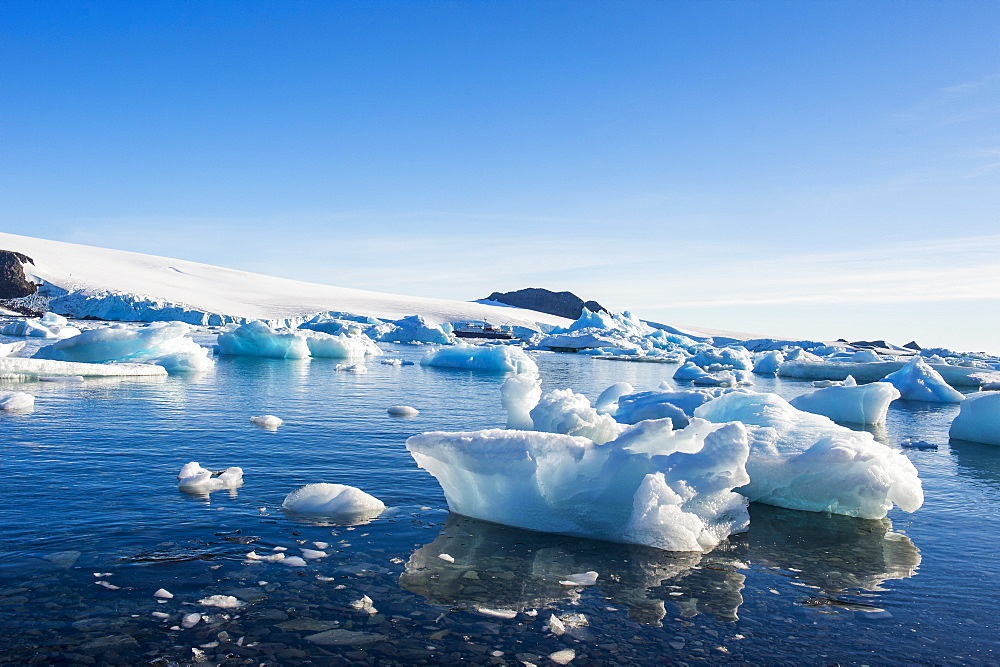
(563, 304)
(13, 284)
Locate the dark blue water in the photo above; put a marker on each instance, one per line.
(89, 486)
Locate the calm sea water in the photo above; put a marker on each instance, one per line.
(89, 496)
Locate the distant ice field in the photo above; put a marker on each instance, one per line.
(90, 488)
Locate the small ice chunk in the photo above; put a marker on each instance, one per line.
(108, 585)
(253, 555)
(332, 500)
(581, 579)
(365, 604)
(190, 620)
(352, 368)
(163, 593)
(16, 401)
(194, 478)
(497, 613)
(321, 545)
(222, 601)
(448, 558)
(293, 561)
(556, 626)
(160, 615)
(563, 657)
(269, 422)
(312, 554)
(402, 411)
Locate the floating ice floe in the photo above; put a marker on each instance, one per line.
(268, 422)
(804, 461)
(691, 372)
(497, 358)
(360, 369)
(256, 339)
(978, 419)
(333, 500)
(16, 401)
(46, 367)
(50, 325)
(165, 344)
(222, 601)
(769, 363)
(340, 346)
(668, 489)
(917, 381)
(402, 411)
(195, 479)
(864, 404)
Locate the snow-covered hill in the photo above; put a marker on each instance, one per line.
(82, 281)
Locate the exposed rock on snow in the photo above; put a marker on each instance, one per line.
(13, 283)
(563, 304)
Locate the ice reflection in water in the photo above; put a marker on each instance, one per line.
(832, 554)
(977, 461)
(507, 568)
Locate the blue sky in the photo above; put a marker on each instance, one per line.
(814, 169)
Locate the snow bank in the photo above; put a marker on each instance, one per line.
(40, 367)
(917, 381)
(499, 358)
(804, 461)
(16, 401)
(195, 479)
(333, 500)
(978, 419)
(865, 404)
(166, 344)
(674, 494)
(564, 411)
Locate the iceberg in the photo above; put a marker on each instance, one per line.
(978, 419)
(807, 462)
(166, 344)
(667, 489)
(16, 401)
(8, 349)
(917, 381)
(402, 411)
(333, 500)
(43, 367)
(45, 327)
(722, 358)
(608, 401)
(256, 339)
(769, 363)
(864, 404)
(497, 358)
(416, 329)
(194, 479)
(340, 346)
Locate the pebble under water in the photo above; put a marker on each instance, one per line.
(93, 525)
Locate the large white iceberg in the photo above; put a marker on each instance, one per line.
(769, 363)
(518, 395)
(340, 346)
(978, 419)
(416, 329)
(256, 339)
(655, 486)
(804, 461)
(864, 404)
(166, 344)
(917, 381)
(194, 479)
(499, 358)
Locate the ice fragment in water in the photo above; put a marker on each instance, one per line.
(556, 626)
(312, 554)
(269, 422)
(365, 604)
(448, 558)
(293, 561)
(332, 500)
(563, 657)
(402, 411)
(581, 579)
(163, 593)
(222, 601)
(194, 478)
(16, 401)
(497, 358)
(190, 620)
